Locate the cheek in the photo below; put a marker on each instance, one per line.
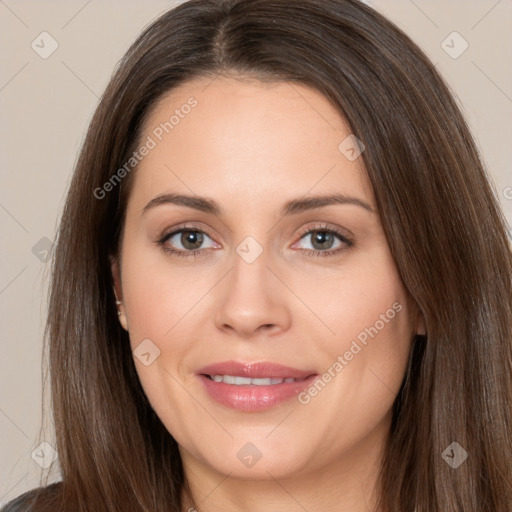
(165, 304)
(360, 379)
(365, 357)
(159, 294)
(372, 309)
(362, 301)
(161, 305)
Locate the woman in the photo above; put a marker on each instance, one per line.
(202, 357)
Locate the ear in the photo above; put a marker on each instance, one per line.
(118, 291)
(116, 277)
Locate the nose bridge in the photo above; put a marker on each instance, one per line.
(250, 250)
(250, 266)
(249, 298)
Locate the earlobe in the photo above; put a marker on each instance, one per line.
(116, 278)
(122, 317)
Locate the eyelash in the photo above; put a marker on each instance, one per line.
(309, 252)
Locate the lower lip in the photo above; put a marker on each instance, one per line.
(254, 398)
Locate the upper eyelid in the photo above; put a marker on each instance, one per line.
(189, 227)
(325, 227)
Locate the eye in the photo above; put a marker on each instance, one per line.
(185, 242)
(323, 241)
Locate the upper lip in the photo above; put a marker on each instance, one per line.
(255, 370)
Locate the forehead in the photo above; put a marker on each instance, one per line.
(246, 140)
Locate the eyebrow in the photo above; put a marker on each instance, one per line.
(292, 207)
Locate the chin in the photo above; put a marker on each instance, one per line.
(258, 458)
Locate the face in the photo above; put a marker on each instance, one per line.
(270, 331)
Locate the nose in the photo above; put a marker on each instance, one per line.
(252, 301)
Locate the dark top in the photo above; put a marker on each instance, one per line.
(26, 501)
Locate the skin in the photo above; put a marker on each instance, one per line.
(251, 146)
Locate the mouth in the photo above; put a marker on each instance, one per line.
(253, 387)
(246, 381)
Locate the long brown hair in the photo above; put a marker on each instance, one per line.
(440, 215)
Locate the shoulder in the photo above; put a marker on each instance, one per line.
(36, 500)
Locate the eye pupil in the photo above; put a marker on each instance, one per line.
(192, 237)
(324, 238)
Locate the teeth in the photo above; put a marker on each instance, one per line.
(239, 381)
(245, 381)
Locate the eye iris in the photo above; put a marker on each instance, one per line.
(192, 237)
(323, 238)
